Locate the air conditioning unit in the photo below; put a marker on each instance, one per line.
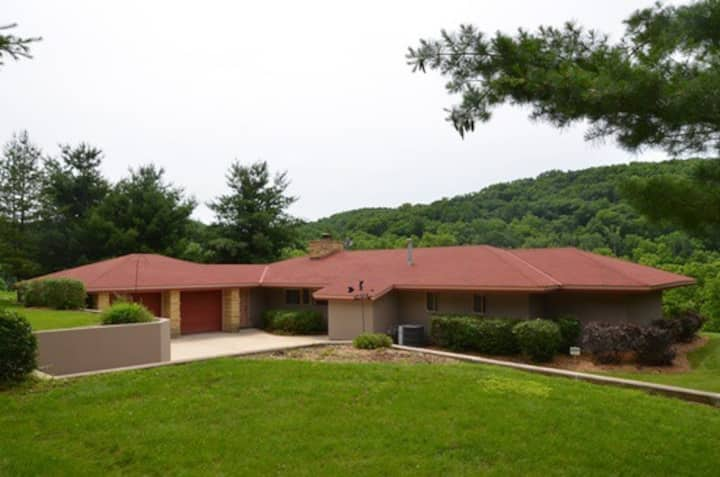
(411, 335)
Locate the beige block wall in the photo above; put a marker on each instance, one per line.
(385, 314)
(171, 310)
(231, 310)
(103, 301)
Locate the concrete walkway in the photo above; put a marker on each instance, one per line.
(213, 345)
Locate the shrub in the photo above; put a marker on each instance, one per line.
(3, 284)
(683, 328)
(18, 347)
(606, 341)
(34, 294)
(538, 339)
(654, 347)
(488, 336)
(294, 322)
(125, 312)
(57, 293)
(570, 333)
(372, 341)
(64, 293)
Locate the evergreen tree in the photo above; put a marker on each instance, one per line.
(13, 46)
(141, 213)
(253, 225)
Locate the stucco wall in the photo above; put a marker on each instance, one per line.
(385, 313)
(412, 306)
(274, 299)
(638, 308)
(346, 319)
(76, 350)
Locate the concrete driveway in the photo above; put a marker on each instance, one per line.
(214, 345)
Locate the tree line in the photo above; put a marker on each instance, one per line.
(59, 211)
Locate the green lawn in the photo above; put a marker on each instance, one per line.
(705, 374)
(262, 417)
(46, 319)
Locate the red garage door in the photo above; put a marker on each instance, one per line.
(200, 311)
(151, 301)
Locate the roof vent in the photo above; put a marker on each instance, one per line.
(410, 260)
(325, 246)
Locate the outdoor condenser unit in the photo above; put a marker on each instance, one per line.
(411, 335)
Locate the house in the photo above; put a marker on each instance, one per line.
(375, 290)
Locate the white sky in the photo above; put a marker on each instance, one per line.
(320, 89)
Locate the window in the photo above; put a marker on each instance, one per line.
(292, 297)
(306, 296)
(431, 302)
(479, 304)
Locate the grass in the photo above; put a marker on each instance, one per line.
(705, 373)
(257, 417)
(47, 319)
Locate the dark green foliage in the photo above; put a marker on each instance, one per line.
(141, 213)
(3, 284)
(18, 347)
(124, 312)
(569, 332)
(538, 339)
(13, 46)
(64, 293)
(294, 322)
(33, 293)
(654, 347)
(57, 293)
(654, 88)
(372, 341)
(683, 327)
(253, 225)
(468, 333)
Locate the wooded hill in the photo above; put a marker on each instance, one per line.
(583, 208)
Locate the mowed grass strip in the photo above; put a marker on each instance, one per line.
(47, 319)
(230, 417)
(704, 375)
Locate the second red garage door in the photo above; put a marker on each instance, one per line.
(151, 301)
(200, 311)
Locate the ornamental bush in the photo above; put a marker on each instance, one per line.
(570, 333)
(294, 322)
(124, 312)
(372, 341)
(654, 347)
(34, 294)
(607, 341)
(18, 347)
(64, 293)
(683, 327)
(469, 333)
(538, 339)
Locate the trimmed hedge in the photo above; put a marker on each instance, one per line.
(124, 312)
(538, 339)
(294, 322)
(654, 347)
(483, 335)
(57, 293)
(18, 347)
(372, 341)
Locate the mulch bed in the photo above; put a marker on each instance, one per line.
(348, 354)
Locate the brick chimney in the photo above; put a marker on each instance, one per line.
(324, 247)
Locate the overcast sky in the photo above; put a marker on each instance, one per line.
(320, 89)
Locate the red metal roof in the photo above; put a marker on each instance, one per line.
(477, 268)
